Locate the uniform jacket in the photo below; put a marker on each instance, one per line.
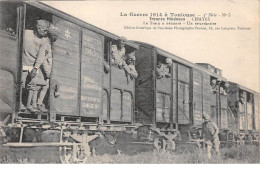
(32, 55)
(210, 130)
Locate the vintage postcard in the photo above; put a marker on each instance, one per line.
(129, 82)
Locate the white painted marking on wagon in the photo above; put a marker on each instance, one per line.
(67, 34)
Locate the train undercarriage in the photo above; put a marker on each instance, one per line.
(77, 140)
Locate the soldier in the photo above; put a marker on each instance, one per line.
(213, 85)
(160, 69)
(225, 89)
(240, 139)
(168, 65)
(114, 54)
(121, 47)
(118, 52)
(241, 98)
(130, 58)
(32, 59)
(210, 134)
(163, 69)
(46, 67)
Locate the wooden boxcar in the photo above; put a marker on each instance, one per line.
(81, 92)
(78, 82)
(244, 105)
(176, 103)
(86, 101)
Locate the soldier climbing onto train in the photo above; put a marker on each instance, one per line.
(32, 59)
(210, 136)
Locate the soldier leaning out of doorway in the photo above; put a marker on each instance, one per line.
(121, 59)
(129, 67)
(224, 90)
(210, 133)
(32, 59)
(118, 52)
(163, 68)
(45, 69)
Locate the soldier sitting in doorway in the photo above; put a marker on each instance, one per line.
(32, 59)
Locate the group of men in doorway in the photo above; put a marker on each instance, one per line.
(121, 59)
(37, 64)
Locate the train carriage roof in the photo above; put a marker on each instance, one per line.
(79, 22)
(244, 88)
(181, 60)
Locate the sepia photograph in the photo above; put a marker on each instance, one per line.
(130, 82)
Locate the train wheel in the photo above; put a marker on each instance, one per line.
(77, 153)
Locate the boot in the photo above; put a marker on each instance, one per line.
(34, 99)
(29, 99)
(32, 110)
(22, 107)
(42, 108)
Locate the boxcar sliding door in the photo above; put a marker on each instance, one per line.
(197, 97)
(183, 94)
(91, 74)
(64, 85)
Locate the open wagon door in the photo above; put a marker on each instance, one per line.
(64, 83)
(10, 32)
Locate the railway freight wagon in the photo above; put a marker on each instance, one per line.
(84, 99)
(244, 105)
(173, 93)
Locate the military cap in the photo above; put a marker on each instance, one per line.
(206, 116)
(226, 85)
(122, 40)
(43, 24)
(53, 30)
(214, 81)
(168, 61)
